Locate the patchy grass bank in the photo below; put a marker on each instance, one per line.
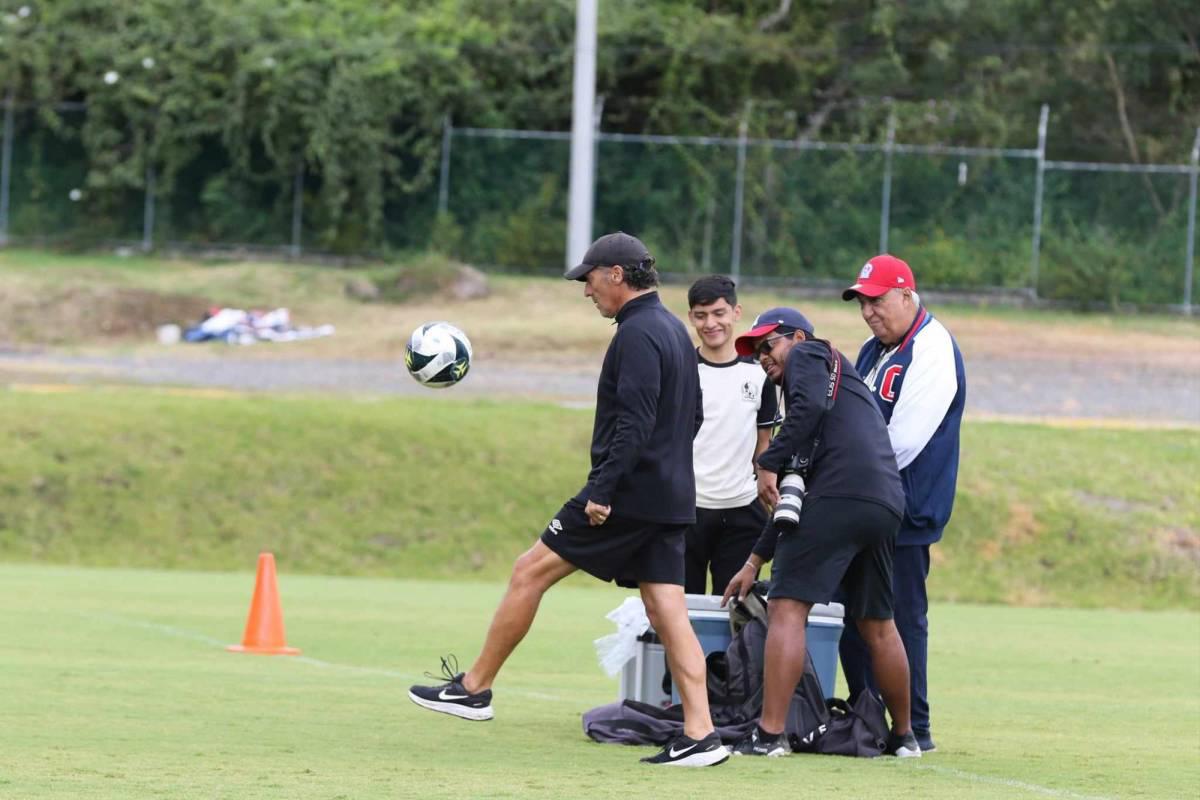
(447, 488)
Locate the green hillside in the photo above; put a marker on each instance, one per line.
(445, 488)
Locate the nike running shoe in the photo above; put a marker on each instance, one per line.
(687, 752)
(452, 697)
(756, 743)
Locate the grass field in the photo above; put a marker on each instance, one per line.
(114, 682)
(119, 687)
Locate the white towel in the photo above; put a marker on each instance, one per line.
(615, 649)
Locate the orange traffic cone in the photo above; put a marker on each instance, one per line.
(264, 627)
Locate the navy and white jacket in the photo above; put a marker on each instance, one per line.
(921, 387)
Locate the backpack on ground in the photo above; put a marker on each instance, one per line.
(808, 715)
(859, 730)
(631, 722)
(734, 678)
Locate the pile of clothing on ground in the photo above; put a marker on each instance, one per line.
(236, 326)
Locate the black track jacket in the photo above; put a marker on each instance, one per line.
(854, 458)
(648, 410)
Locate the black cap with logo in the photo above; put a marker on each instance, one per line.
(610, 250)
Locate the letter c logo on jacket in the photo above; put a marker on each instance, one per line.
(887, 386)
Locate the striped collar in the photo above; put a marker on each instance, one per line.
(922, 317)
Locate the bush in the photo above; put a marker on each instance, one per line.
(1087, 270)
(426, 275)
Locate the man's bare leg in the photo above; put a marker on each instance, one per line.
(667, 609)
(889, 664)
(784, 657)
(535, 571)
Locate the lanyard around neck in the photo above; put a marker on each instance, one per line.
(884, 357)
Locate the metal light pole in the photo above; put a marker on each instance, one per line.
(583, 129)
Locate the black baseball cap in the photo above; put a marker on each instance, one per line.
(610, 250)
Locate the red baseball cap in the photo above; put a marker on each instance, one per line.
(879, 275)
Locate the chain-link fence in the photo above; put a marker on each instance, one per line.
(805, 212)
(974, 219)
(45, 197)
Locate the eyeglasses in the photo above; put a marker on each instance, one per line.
(767, 345)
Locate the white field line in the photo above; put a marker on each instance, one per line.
(1014, 784)
(166, 630)
(183, 633)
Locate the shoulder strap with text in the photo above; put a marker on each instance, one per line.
(802, 465)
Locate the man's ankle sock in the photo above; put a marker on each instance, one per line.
(763, 736)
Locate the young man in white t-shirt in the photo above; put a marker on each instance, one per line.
(740, 410)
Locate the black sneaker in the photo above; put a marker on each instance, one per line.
(686, 752)
(902, 745)
(755, 744)
(925, 741)
(452, 697)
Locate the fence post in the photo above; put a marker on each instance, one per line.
(597, 115)
(297, 209)
(1191, 226)
(6, 163)
(739, 192)
(444, 177)
(148, 212)
(1035, 255)
(885, 212)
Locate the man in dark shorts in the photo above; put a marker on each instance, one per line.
(834, 436)
(627, 524)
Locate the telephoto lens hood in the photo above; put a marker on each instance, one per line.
(791, 498)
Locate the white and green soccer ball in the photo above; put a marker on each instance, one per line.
(438, 355)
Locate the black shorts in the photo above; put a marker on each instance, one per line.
(626, 551)
(719, 543)
(840, 541)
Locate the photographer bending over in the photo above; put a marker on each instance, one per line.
(845, 491)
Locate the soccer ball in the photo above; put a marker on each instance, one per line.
(438, 355)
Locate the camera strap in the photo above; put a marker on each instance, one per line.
(802, 465)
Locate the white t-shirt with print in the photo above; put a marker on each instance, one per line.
(739, 399)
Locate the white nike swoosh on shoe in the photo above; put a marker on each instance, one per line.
(443, 696)
(454, 708)
(677, 753)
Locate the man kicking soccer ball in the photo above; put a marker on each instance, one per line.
(628, 522)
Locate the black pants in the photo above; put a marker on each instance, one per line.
(910, 568)
(720, 542)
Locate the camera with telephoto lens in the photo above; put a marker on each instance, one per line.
(791, 497)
